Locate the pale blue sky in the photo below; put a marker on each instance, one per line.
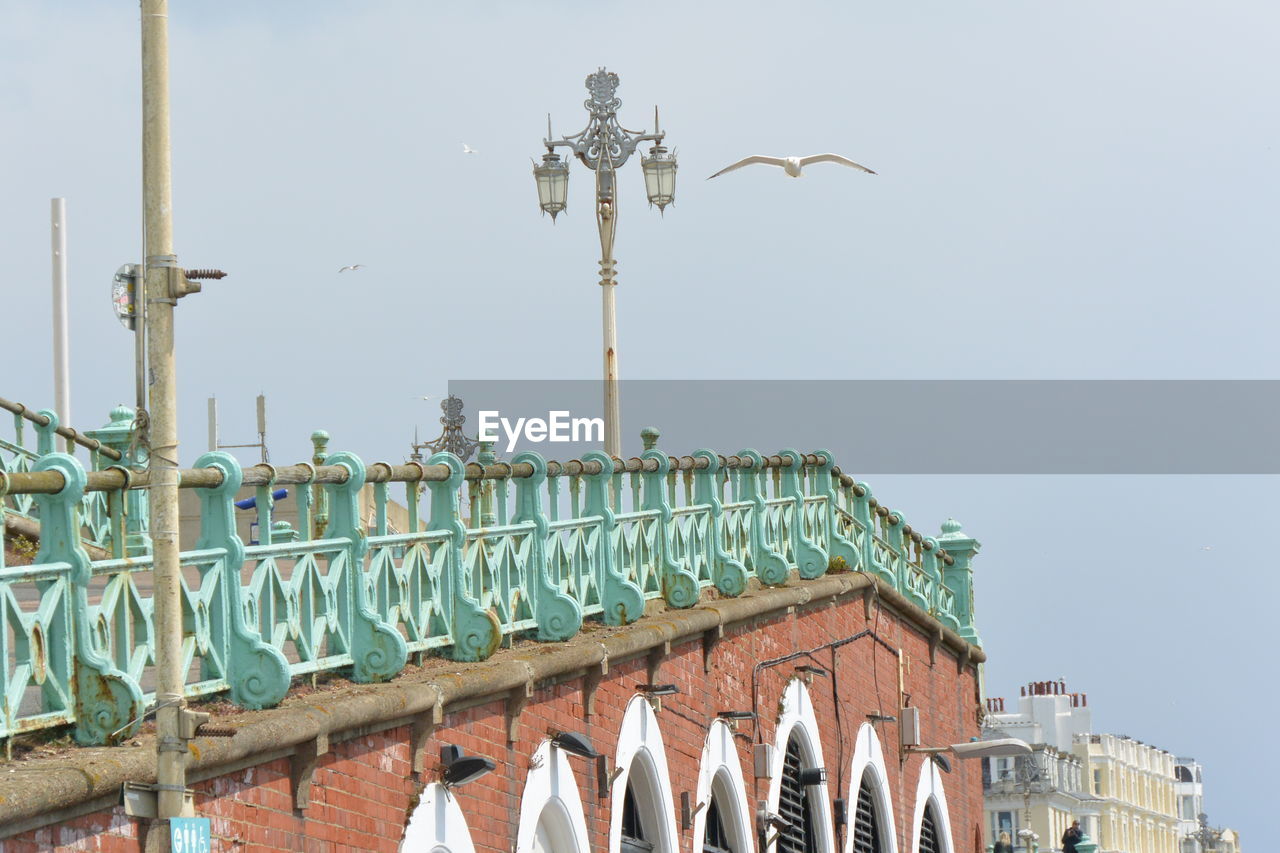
(1066, 190)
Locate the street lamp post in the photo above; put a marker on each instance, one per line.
(603, 146)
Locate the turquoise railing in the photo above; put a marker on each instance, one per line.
(544, 546)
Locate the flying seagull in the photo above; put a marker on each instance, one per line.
(467, 149)
(792, 165)
(353, 268)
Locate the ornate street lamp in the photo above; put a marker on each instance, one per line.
(603, 146)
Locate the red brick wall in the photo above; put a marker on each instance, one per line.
(363, 789)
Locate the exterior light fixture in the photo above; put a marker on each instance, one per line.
(657, 689)
(942, 761)
(574, 744)
(882, 718)
(812, 776)
(659, 176)
(604, 146)
(808, 671)
(553, 184)
(736, 715)
(460, 769)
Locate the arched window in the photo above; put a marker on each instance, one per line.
(795, 806)
(866, 824)
(929, 832)
(716, 839)
(634, 837)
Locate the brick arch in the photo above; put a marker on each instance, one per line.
(799, 720)
(930, 791)
(437, 825)
(641, 752)
(551, 802)
(720, 774)
(868, 762)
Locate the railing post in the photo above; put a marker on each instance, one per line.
(118, 434)
(959, 575)
(679, 583)
(476, 631)
(622, 599)
(811, 558)
(863, 511)
(319, 495)
(839, 548)
(770, 566)
(257, 672)
(729, 575)
(106, 699)
(377, 650)
(558, 615)
(893, 535)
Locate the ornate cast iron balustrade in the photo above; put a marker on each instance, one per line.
(546, 546)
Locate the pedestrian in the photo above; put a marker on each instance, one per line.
(1072, 837)
(1004, 845)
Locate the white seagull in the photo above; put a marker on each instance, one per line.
(353, 268)
(467, 149)
(792, 165)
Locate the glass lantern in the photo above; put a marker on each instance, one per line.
(659, 176)
(553, 184)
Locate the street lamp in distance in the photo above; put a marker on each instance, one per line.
(603, 146)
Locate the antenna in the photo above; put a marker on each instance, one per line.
(548, 127)
(656, 131)
(262, 424)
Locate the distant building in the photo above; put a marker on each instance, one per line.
(1189, 789)
(1134, 786)
(1120, 789)
(1048, 789)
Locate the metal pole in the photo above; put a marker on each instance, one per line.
(61, 333)
(606, 219)
(160, 272)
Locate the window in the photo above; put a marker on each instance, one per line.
(866, 824)
(634, 838)
(928, 832)
(716, 840)
(794, 806)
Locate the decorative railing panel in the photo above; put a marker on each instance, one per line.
(541, 547)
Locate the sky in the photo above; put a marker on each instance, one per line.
(1078, 190)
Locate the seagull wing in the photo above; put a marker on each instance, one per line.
(752, 160)
(833, 158)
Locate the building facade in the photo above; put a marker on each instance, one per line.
(1121, 790)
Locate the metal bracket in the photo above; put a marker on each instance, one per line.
(302, 767)
(139, 800)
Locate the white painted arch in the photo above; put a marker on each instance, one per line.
(868, 760)
(720, 775)
(798, 719)
(642, 759)
(930, 790)
(437, 825)
(551, 816)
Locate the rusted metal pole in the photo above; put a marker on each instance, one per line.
(161, 275)
(64, 431)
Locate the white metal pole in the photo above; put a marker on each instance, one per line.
(606, 220)
(161, 276)
(61, 332)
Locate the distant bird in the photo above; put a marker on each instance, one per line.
(353, 268)
(467, 149)
(791, 165)
(1207, 548)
